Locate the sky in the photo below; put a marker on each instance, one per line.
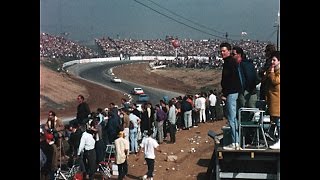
(84, 20)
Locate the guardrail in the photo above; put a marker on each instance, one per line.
(133, 58)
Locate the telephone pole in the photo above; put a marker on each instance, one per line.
(278, 31)
(227, 36)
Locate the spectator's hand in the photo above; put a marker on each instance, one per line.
(223, 98)
(272, 68)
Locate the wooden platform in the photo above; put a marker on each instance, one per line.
(244, 164)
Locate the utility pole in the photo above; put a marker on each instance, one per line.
(278, 31)
(227, 36)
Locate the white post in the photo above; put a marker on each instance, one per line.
(176, 53)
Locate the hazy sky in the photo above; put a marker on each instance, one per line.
(85, 20)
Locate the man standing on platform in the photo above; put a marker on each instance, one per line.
(231, 86)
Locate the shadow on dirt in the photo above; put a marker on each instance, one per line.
(202, 176)
(203, 162)
(133, 177)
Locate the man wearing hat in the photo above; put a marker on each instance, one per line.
(122, 150)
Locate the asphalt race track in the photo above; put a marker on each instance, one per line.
(100, 73)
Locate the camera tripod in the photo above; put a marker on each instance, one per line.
(65, 175)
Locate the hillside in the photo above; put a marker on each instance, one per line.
(58, 92)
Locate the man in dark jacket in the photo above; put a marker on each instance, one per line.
(83, 111)
(231, 86)
(248, 95)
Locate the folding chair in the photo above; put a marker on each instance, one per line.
(110, 151)
(256, 122)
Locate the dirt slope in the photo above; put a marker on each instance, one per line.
(59, 93)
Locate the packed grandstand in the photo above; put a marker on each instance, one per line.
(61, 48)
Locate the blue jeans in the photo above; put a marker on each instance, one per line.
(231, 107)
(134, 139)
(187, 119)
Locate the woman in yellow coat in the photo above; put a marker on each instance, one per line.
(273, 93)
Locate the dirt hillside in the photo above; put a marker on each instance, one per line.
(59, 92)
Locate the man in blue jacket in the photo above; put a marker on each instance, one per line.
(248, 95)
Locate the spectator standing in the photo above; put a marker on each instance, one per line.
(164, 106)
(161, 116)
(202, 111)
(135, 120)
(151, 112)
(212, 105)
(248, 95)
(219, 107)
(99, 145)
(74, 142)
(113, 125)
(86, 146)
(273, 93)
(55, 126)
(148, 145)
(172, 122)
(231, 86)
(262, 73)
(186, 109)
(125, 103)
(122, 151)
(196, 111)
(51, 152)
(83, 111)
(126, 122)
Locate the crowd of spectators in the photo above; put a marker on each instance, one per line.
(58, 47)
(52, 46)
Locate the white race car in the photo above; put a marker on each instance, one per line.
(116, 80)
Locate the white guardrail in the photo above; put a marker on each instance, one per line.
(132, 58)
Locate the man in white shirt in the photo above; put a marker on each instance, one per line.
(148, 144)
(87, 144)
(202, 106)
(122, 151)
(212, 105)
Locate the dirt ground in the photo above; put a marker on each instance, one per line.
(59, 92)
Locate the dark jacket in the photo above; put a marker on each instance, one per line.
(83, 111)
(74, 140)
(250, 76)
(230, 81)
(185, 106)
